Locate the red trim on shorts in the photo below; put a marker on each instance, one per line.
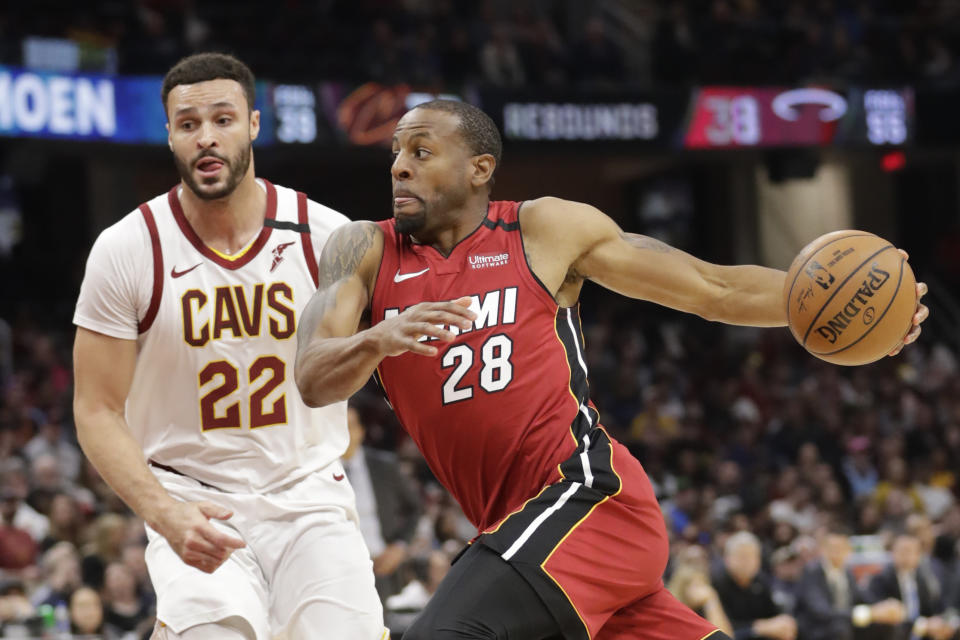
(305, 238)
(206, 251)
(151, 314)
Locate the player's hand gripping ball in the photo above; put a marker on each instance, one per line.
(851, 298)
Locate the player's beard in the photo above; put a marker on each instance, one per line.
(236, 168)
(409, 224)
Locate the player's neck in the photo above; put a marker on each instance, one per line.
(462, 222)
(227, 224)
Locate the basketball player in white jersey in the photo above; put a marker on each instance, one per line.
(185, 399)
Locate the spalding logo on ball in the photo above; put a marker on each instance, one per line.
(850, 297)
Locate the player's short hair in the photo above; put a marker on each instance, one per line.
(201, 67)
(476, 127)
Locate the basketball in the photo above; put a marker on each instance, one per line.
(850, 297)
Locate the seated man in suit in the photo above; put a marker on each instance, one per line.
(388, 504)
(922, 601)
(746, 595)
(829, 600)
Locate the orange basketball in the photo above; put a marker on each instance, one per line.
(850, 297)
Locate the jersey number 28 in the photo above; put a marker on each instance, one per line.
(495, 375)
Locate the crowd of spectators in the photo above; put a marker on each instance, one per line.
(740, 431)
(444, 44)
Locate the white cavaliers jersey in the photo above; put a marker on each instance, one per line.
(213, 394)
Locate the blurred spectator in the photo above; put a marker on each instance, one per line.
(500, 60)
(124, 611)
(690, 584)
(18, 550)
(828, 593)
(786, 565)
(745, 594)
(66, 521)
(896, 483)
(51, 441)
(86, 612)
(387, 503)
(18, 619)
(107, 535)
(903, 580)
(402, 608)
(60, 571)
(858, 469)
(596, 61)
(16, 487)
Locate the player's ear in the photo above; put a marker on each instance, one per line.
(483, 166)
(169, 139)
(254, 124)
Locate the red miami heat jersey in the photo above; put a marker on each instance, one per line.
(503, 404)
(503, 417)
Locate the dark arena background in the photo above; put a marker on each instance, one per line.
(736, 130)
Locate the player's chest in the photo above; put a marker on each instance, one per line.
(205, 303)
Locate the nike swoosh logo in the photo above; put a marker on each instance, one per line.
(176, 274)
(400, 277)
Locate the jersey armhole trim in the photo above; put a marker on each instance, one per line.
(387, 236)
(527, 262)
(151, 314)
(308, 254)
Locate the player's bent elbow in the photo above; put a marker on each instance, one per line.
(314, 391)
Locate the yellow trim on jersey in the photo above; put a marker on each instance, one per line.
(543, 565)
(385, 635)
(710, 634)
(563, 591)
(236, 256)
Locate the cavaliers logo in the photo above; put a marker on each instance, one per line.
(370, 113)
(819, 274)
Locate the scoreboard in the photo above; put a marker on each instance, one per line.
(730, 117)
(127, 109)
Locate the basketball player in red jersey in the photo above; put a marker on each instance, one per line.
(476, 340)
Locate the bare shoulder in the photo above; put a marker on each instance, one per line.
(564, 223)
(353, 248)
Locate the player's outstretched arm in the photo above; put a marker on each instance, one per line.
(647, 269)
(334, 360)
(103, 372)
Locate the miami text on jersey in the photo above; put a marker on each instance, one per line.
(493, 308)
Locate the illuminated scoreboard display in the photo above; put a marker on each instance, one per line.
(731, 117)
(127, 109)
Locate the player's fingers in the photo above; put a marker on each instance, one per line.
(921, 314)
(443, 317)
(212, 510)
(921, 289)
(195, 542)
(420, 329)
(421, 349)
(906, 256)
(452, 307)
(220, 539)
(463, 302)
(913, 335)
(205, 563)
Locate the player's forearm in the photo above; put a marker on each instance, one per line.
(748, 295)
(329, 370)
(107, 442)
